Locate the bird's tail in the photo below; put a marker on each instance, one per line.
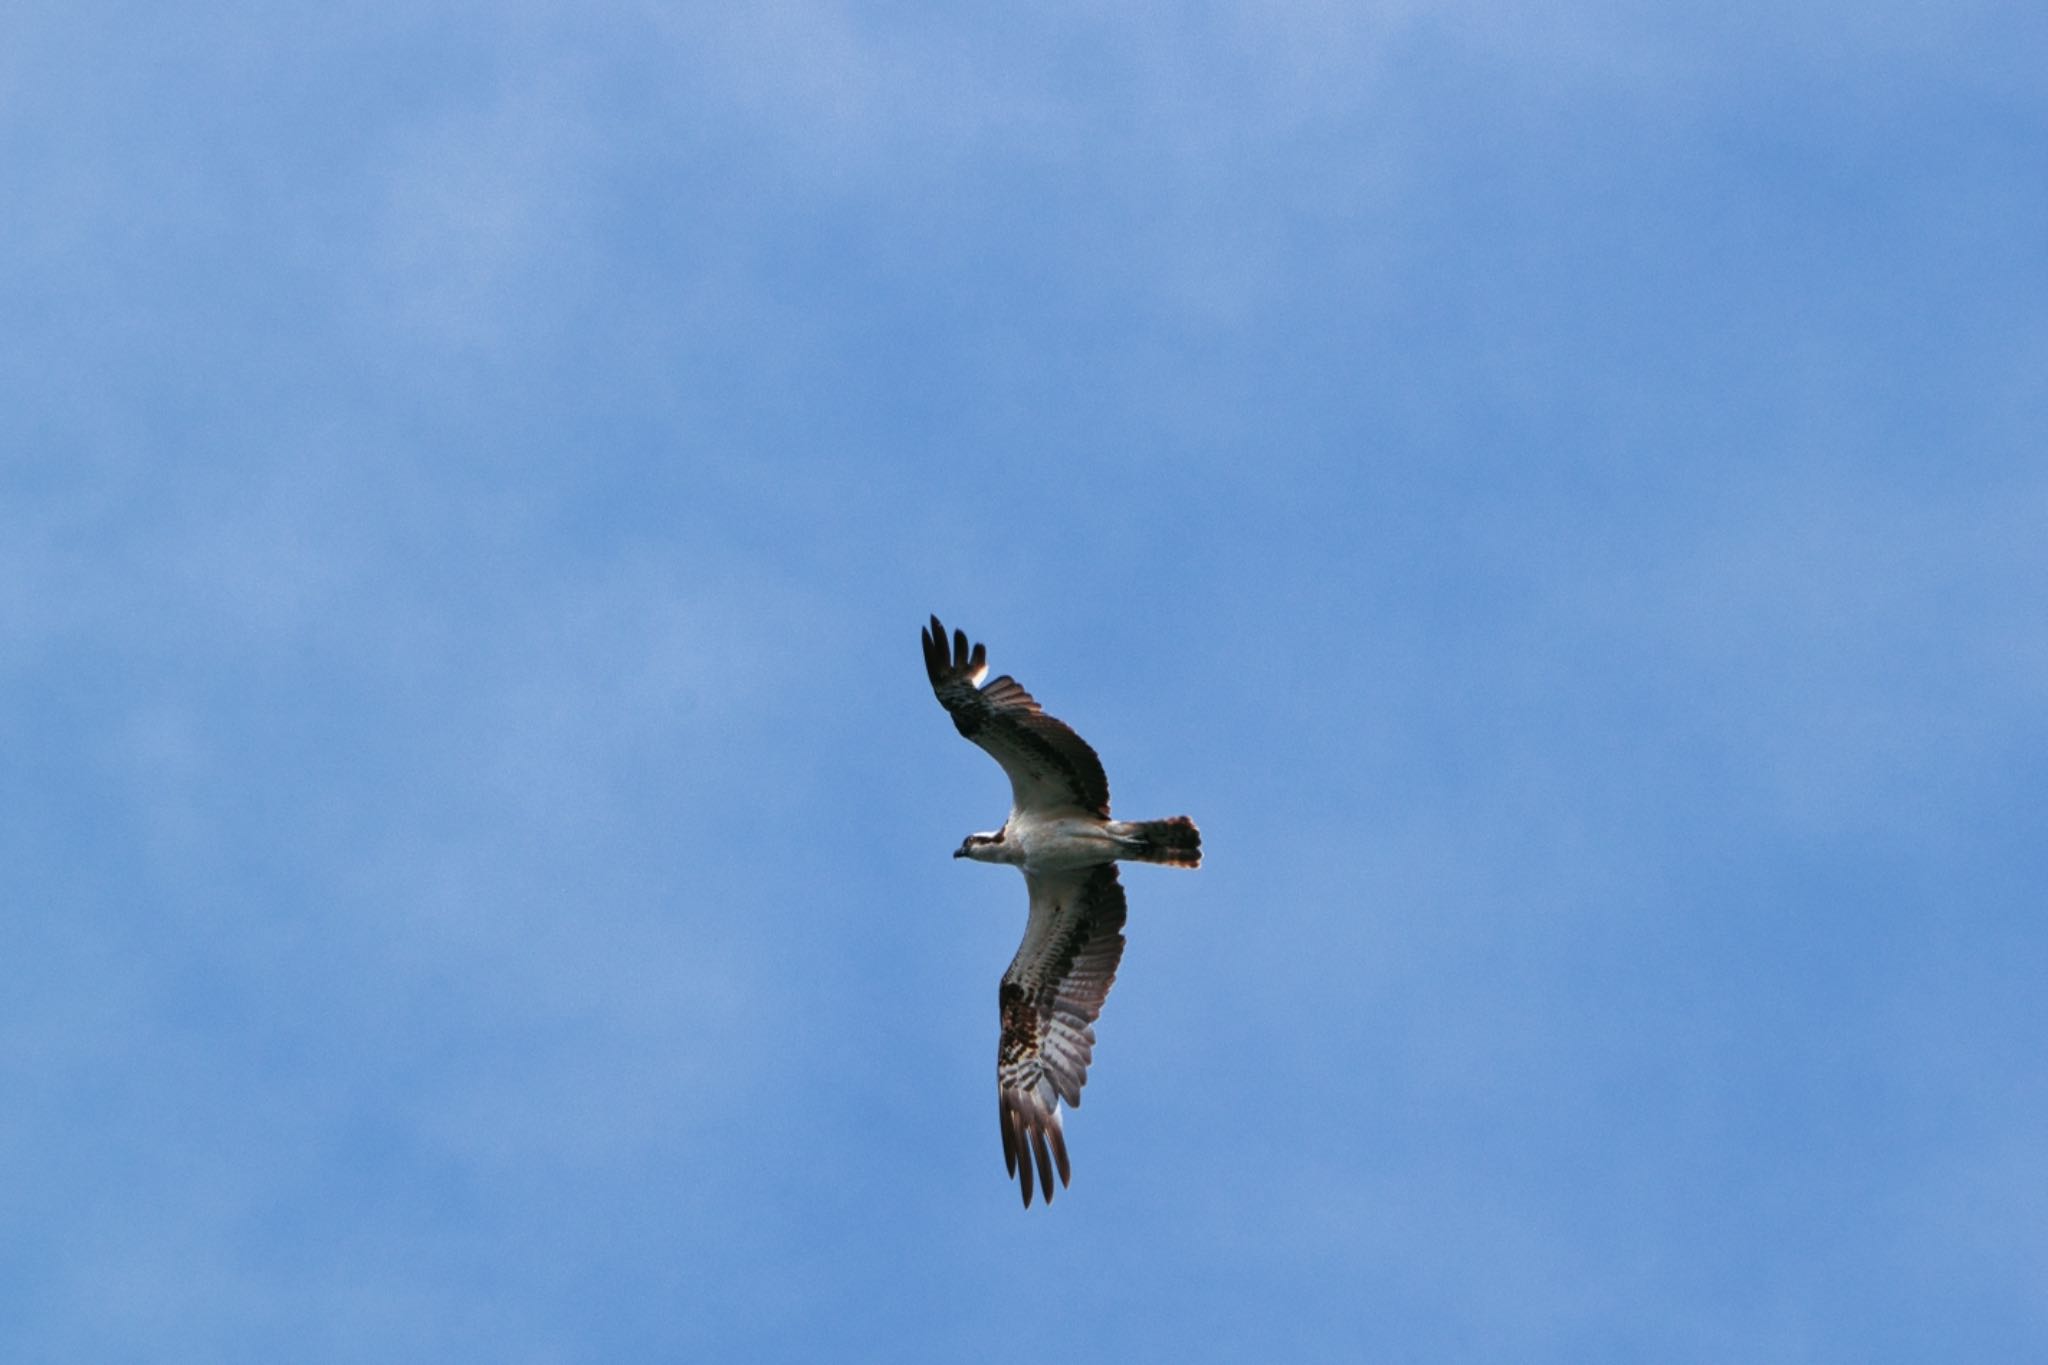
(1174, 841)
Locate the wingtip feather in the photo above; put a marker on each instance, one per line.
(1023, 1154)
(1034, 1147)
(1003, 1120)
(1044, 1158)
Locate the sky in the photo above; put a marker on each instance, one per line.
(1556, 492)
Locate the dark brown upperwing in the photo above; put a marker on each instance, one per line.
(1049, 765)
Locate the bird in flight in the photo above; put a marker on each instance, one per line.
(1060, 836)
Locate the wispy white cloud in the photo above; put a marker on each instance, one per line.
(482, 233)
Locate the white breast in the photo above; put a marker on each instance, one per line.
(1055, 841)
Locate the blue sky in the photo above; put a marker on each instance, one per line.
(1556, 492)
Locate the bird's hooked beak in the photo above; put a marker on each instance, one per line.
(960, 852)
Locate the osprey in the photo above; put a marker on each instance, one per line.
(1060, 836)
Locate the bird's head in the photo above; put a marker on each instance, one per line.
(978, 846)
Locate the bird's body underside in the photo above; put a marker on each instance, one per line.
(1060, 835)
(1064, 840)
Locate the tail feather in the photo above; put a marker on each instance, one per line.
(1174, 841)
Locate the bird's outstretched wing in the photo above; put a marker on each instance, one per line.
(1050, 998)
(1049, 765)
